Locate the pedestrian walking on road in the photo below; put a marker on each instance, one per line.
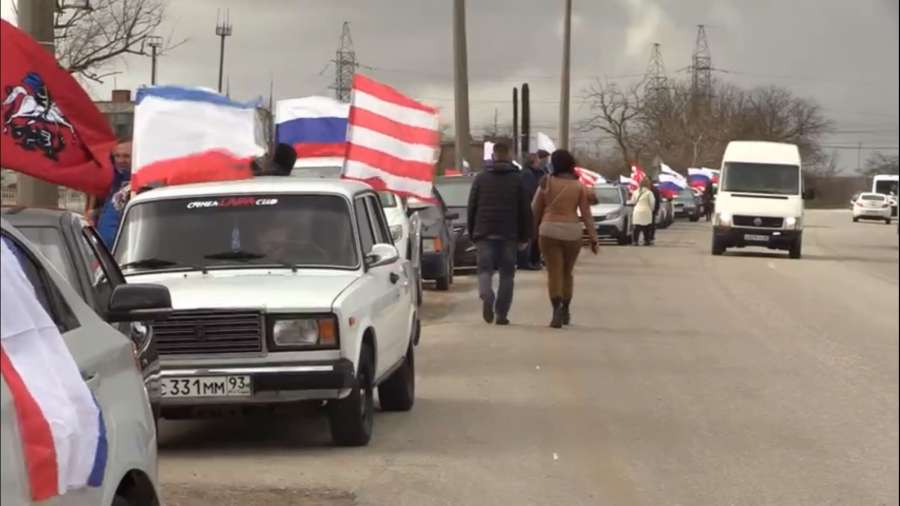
(555, 208)
(644, 203)
(532, 175)
(499, 222)
(657, 202)
(708, 200)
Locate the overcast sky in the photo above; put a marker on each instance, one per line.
(842, 53)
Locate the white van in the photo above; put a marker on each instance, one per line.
(760, 198)
(886, 184)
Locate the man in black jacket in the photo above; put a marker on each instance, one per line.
(532, 175)
(499, 221)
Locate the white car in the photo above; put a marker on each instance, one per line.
(872, 206)
(406, 232)
(107, 360)
(284, 290)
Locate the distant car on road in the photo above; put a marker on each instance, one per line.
(611, 213)
(455, 192)
(438, 240)
(687, 205)
(872, 206)
(406, 232)
(75, 249)
(106, 361)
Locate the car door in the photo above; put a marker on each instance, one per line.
(392, 286)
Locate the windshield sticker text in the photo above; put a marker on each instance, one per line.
(232, 202)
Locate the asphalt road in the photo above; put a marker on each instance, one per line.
(687, 379)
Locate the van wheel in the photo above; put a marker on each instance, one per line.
(119, 500)
(855, 219)
(351, 418)
(398, 392)
(796, 250)
(717, 248)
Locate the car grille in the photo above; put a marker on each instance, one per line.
(758, 221)
(209, 331)
(600, 217)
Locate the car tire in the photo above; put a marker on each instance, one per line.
(887, 221)
(796, 250)
(443, 283)
(855, 219)
(119, 500)
(624, 239)
(398, 392)
(695, 219)
(351, 418)
(717, 248)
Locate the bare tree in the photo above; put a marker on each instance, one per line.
(880, 163)
(617, 113)
(92, 35)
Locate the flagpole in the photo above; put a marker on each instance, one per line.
(36, 19)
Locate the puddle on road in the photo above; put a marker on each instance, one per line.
(216, 494)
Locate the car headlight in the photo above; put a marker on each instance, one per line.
(613, 215)
(396, 232)
(792, 222)
(304, 332)
(723, 219)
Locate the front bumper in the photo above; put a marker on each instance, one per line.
(739, 237)
(270, 384)
(610, 228)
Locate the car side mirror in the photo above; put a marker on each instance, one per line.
(809, 194)
(139, 302)
(453, 216)
(382, 254)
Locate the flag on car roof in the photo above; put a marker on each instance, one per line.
(699, 178)
(51, 128)
(61, 428)
(189, 135)
(316, 127)
(628, 182)
(670, 181)
(392, 140)
(588, 178)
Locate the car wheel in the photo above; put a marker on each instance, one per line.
(887, 221)
(119, 500)
(717, 247)
(398, 392)
(352, 417)
(695, 219)
(855, 219)
(796, 250)
(624, 238)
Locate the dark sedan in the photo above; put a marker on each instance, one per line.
(73, 247)
(455, 190)
(687, 205)
(438, 240)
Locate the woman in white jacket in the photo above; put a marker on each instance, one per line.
(644, 203)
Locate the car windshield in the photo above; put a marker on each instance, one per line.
(608, 195)
(49, 241)
(238, 231)
(879, 198)
(685, 196)
(388, 199)
(455, 193)
(779, 179)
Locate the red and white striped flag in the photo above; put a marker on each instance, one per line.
(588, 178)
(392, 140)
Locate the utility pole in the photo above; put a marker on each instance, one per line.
(345, 66)
(564, 85)
(657, 84)
(859, 157)
(515, 132)
(526, 119)
(460, 84)
(223, 30)
(155, 42)
(36, 18)
(701, 69)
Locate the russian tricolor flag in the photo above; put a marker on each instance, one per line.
(188, 135)
(60, 426)
(699, 178)
(670, 182)
(316, 127)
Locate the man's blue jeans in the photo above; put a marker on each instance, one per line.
(497, 255)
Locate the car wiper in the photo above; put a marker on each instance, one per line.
(154, 263)
(235, 255)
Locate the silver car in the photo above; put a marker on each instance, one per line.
(611, 213)
(107, 360)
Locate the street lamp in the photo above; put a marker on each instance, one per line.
(155, 42)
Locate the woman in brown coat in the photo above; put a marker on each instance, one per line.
(555, 208)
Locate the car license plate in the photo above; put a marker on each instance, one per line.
(207, 386)
(756, 238)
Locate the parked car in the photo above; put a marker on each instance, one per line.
(612, 214)
(106, 360)
(290, 290)
(75, 249)
(666, 215)
(406, 232)
(686, 205)
(455, 192)
(872, 206)
(438, 239)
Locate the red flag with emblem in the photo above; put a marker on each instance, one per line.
(49, 127)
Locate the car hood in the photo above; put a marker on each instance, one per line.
(267, 289)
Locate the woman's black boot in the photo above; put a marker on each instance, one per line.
(557, 323)
(566, 316)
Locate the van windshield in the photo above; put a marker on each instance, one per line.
(886, 187)
(215, 232)
(771, 178)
